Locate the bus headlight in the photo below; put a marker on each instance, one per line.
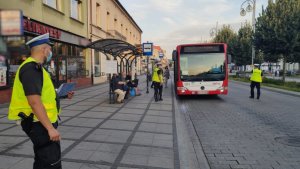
(181, 89)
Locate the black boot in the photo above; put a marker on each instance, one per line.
(155, 97)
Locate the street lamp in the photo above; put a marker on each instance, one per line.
(214, 31)
(250, 7)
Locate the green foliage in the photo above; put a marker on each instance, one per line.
(292, 86)
(226, 35)
(244, 45)
(277, 32)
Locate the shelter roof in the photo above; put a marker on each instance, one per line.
(114, 47)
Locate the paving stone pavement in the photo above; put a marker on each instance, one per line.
(140, 133)
(238, 132)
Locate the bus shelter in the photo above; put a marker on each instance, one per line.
(125, 53)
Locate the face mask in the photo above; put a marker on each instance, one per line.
(49, 57)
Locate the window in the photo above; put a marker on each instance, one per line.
(122, 29)
(96, 56)
(97, 64)
(107, 21)
(116, 24)
(51, 3)
(98, 14)
(202, 66)
(55, 4)
(76, 9)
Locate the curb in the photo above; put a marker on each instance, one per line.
(191, 154)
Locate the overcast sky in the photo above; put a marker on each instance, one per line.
(168, 23)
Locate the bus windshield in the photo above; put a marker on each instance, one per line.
(202, 67)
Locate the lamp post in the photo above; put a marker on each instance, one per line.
(250, 7)
(214, 31)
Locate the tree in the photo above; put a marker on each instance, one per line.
(244, 45)
(228, 36)
(277, 31)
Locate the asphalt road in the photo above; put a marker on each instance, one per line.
(238, 132)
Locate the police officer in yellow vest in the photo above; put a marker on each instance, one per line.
(256, 79)
(35, 103)
(157, 79)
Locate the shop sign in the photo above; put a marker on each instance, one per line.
(11, 23)
(38, 28)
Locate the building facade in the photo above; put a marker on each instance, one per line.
(108, 19)
(66, 22)
(72, 25)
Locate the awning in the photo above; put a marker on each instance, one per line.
(115, 47)
(126, 52)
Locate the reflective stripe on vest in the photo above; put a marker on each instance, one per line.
(19, 101)
(256, 76)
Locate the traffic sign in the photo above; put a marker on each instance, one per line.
(161, 55)
(148, 49)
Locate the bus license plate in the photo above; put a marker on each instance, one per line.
(202, 92)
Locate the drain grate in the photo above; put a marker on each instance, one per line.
(288, 140)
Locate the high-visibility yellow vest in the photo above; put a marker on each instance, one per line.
(256, 75)
(156, 77)
(19, 102)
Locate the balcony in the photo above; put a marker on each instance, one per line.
(116, 35)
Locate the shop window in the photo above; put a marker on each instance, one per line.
(76, 64)
(69, 50)
(97, 64)
(17, 53)
(76, 12)
(3, 71)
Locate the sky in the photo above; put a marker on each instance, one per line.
(168, 23)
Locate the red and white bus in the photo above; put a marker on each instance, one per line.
(200, 69)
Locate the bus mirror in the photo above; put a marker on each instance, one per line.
(228, 58)
(174, 55)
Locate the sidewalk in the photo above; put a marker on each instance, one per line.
(140, 133)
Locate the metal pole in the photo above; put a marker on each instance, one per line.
(253, 24)
(147, 75)
(135, 69)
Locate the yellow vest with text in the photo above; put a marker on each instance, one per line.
(256, 76)
(19, 101)
(156, 77)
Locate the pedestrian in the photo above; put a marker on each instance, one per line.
(132, 84)
(117, 87)
(157, 80)
(35, 103)
(166, 76)
(256, 79)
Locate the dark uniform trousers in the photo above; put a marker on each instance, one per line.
(157, 90)
(252, 86)
(47, 153)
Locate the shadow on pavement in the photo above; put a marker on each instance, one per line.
(199, 97)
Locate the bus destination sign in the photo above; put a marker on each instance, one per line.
(203, 49)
